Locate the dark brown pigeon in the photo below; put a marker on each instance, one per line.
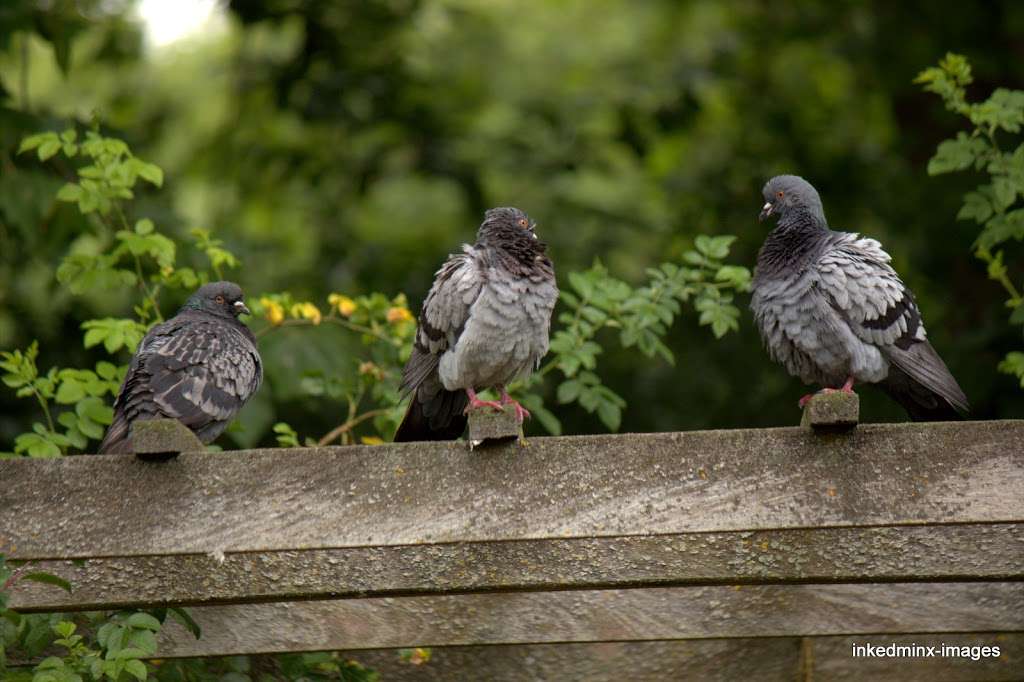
(199, 367)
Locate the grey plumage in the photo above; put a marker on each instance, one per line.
(199, 367)
(484, 323)
(830, 308)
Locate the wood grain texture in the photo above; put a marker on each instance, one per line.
(776, 659)
(602, 616)
(897, 553)
(583, 486)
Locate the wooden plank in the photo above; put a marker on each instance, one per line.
(899, 553)
(583, 486)
(708, 660)
(601, 616)
(777, 659)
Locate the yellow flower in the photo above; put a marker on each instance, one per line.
(398, 315)
(345, 305)
(307, 311)
(272, 310)
(372, 440)
(369, 368)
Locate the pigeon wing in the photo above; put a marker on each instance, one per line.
(199, 372)
(443, 318)
(861, 285)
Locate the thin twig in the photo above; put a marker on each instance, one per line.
(46, 410)
(13, 578)
(350, 424)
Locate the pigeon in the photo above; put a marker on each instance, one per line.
(831, 309)
(198, 367)
(484, 323)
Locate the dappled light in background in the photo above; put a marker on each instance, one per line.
(167, 22)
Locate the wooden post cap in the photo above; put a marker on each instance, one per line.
(487, 424)
(832, 411)
(157, 440)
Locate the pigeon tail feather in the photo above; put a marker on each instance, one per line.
(920, 381)
(433, 415)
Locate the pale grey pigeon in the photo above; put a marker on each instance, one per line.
(485, 322)
(832, 310)
(198, 367)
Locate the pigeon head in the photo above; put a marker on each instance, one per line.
(507, 221)
(791, 195)
(224, 299)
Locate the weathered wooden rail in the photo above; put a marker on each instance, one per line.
(684, 543)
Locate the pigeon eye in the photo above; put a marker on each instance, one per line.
(219, 299)
(780, 194)
(523, 222)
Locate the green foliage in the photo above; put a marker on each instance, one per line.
(81, 389)
(641, 317)
(73, 400)
(993, 205)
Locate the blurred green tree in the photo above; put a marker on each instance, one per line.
(348, 147)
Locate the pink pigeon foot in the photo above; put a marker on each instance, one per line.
(846, 388)
(475, 403)
(521, 412)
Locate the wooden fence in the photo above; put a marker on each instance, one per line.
(761, 554)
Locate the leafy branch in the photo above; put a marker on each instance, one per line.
(993, 205)
(641, 316)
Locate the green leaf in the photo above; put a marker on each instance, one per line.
(70, 192)
(144, 621)
(583, 286)
(144, 641)
(714, 247)
(70, 392)
(958, 154)
(185, 618)
(33, 141)
(136, 669)
(535, 405)
(976, 206)
(48, 148)
(736, 275)
(50, 663)
(49, 579)
(569, 391)
(1004, 192)
(1013, 364)
(151, 173)
(610, 415)
(94, 409)
(35, 445)
(106, 370)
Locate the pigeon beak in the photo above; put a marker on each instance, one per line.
(766, 211)
(240, 308)
(533, 227)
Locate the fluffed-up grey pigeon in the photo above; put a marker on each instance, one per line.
(484, 323)
(198, 367)
(832, 310)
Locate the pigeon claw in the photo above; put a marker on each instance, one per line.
(475, 403)
(845, 388)
(521, 412)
